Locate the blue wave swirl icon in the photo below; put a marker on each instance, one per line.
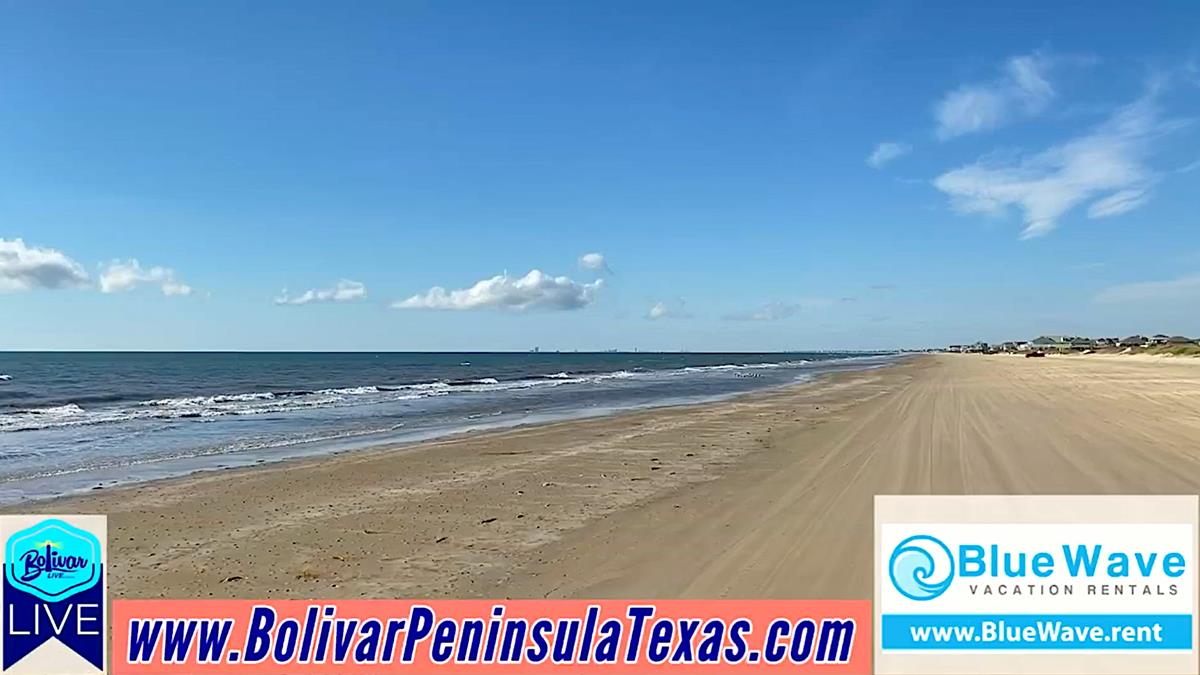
(921, 567)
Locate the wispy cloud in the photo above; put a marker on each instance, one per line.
(774, 311)
(1182, 289)
(344, 291)
(886, 152)
(595, 262)
(668, 310)
(25, 268)
(535, 290)
(1189, 167)
(124, 275)
(1107, 164)
(1122, 201)
(1022, 89)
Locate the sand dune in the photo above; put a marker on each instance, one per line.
(765, 496)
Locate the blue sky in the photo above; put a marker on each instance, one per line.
(753, 176)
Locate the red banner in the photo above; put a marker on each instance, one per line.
(489, 636)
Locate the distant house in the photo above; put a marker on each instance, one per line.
(954, 348)
(1013, 346)
(1180, 340)
(1132, 341)
(1056, 342)
(1160, 339)
(1081, 343)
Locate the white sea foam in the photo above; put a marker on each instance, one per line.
(269, 402)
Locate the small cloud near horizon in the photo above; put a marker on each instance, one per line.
(345, 290)
(125, 275)
(663, 310)
(535, 290)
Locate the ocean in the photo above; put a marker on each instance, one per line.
(87, 420)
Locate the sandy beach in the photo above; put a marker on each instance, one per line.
(768, 495)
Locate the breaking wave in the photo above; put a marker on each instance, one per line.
(71, 413)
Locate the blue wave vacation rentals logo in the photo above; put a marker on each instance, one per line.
(921, 567)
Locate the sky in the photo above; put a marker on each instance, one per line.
(604, 175)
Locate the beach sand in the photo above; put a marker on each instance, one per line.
(768, 495)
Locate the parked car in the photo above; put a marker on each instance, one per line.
(1034, 353)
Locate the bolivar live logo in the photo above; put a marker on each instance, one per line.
(53, 595)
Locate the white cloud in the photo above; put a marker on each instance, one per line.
(886, 152)
(535, 290)
(24, 268)
(1022, 89)
(125, 275)
(1107, 163)
(663, 310)
(344, 291)
(594, 261)
(1183, 289)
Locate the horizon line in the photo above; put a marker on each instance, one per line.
(466, 351)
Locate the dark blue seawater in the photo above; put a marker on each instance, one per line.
(72, 421)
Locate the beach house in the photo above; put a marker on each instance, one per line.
(1081, 343)
(1060, 343)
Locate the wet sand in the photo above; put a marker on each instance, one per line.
(768, 495)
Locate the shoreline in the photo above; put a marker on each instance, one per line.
(435, 505)
(769, 495)
(82, 482)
